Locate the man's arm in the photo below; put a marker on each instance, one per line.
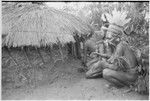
(119, 52)
(113, 67)
(102, 55)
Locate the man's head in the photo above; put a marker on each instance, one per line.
(117, 22)
(113, 34)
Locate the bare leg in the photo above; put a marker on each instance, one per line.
(119, 78)
(114, 81)
(96, 67)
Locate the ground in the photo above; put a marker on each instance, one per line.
(65, 82)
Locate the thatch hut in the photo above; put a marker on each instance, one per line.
(38, 25)
(31, 26)
(28, 24)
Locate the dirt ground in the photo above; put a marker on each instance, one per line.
(63, 82)
(70, 84)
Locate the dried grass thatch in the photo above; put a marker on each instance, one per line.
(37, 25)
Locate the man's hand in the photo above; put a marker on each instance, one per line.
(100, 42)
(93, 54)
(111, 59)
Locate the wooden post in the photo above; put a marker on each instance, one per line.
(84, 53)
(68, 49)
(74, 50)
(78, 48)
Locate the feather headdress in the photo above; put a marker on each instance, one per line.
(118, 18)
(117, 21)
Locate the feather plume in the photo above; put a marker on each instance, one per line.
(118, 17)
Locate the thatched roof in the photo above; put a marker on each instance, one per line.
(37, 25)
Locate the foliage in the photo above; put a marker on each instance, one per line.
(118, 17)
(137, 11)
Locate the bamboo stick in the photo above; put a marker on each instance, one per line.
(67, 48)
(70, 48)
(26, 55)
(84, 53)
(60, 50)
(74, 48)
(50, 53)
(78, 48)
(9, 53)
(40, 55)
(72, 51)
(31, 65)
